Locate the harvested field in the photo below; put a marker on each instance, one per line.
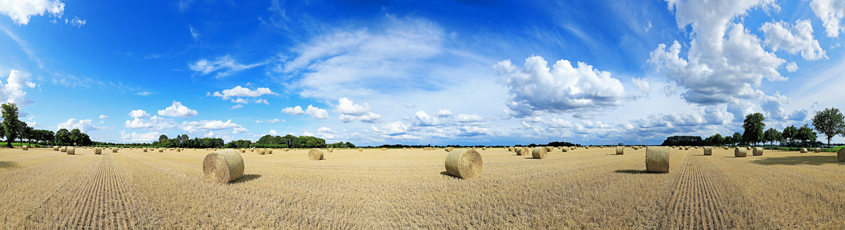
(398, 189)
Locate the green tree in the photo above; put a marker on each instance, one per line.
(771, 135)
(63, 137)
(829, 122)
(28, 133)
(737, 137)
(11, 124)
(805, 133)
(349, 145)
(162, 138)
(718, 139)
(753, 126)
(729, 140)
(76, 137)
(790, 134)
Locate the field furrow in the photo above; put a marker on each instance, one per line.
(697, 201)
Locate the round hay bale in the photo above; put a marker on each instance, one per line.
(550, 149)
(55, 148)
(748, 148)
(620, 150)
(573, 148)
(687, 148)
(523, 151)
(360, 149)
(161, 150)
(817, 150)
(510, 149)
(465, 164)
(758, 151)
(71, 151)
(114, 150)
(539, 153)
(243, 150)
(329, 150)
(223, 166)
(98, 151)
(145, 150)
(178, 150)
(635, 148)
(315, 154)
(25, 147)
(63, 149)
(564, 149)
(726, 148)
(262, 151)
(740, 152)
(657, 159)
(708, 150)
(803, 150)
(383, 149)
(269, 151)
(840, 155)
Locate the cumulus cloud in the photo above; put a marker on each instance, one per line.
(262, 101)
(139, 114)
(104, 117)
(350, 111)
(153, 123)
(392, 128)
(177, 110)
(326, 132)
(796, 38)
(739, 109)
(443, 113)
(271, 121)
(774, 106)
(206, 125)
(21, 10)
(226, 64)
(139, 137)
(236, 107)
(641, 84)
(724, 59)
(791, 67)
(273, 132)
(423, 119)
(467, 118)
(83, 125)
(311, 110)
(13, 90)
(239, 91)
(669, 89)
(830, 12)
(562, 89)
(240, 101)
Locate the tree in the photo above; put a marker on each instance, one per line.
(791, 134)
(63, 137)
(718, 139)
(76, 137)
(11, 124)
(163, 138)
(771, 135)
(753, 127)
(805, 133)
(829, 122)
(729, 140)
(737, 137)
(28, 133)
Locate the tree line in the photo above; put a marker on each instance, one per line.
(12, 128)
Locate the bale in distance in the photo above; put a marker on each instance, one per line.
(539, 153)
(740, 152)
(804, 150)
(708, 150)
(223, 166)
(383, 149)
(758, 151)
(243, 150)
(510, 149)
(657, 159)
(465, 164)
(315, 154)
(25, 147)
(70, 151)
(145, 149)
(329, 150)
(817, 150)
(268, 151)
(114, 150)
(56, 148)
(98, 151)
(360, 149)
(261, 151)
(161, 150)
(840, 155)
(620, 150)
(63, 149)
(564, 149)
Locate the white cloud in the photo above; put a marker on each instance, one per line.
(739, 109)
(237, 130)
(409, 105)
(226, 64)
(642, 84)
(139, 137)
(177, 110)
(311, 110)
(346, 106)
(261, 101)
(271, 121)
(796, 38)
(76, 22)
(194, 34)
(239, 91)
(83, 125)
(443, 113)
(423, 119)
(347, 118)
(791, 67)
(774, 106)
(562, 89)
(370, 118)
(273, 132)
(669, 89)
(830, 12)
(240, 101)
(153, 123)
(139, 114)
(464, 118)
(205, 125)
(317, 112)
(236, 107)
(392, 128)
(724, 59)
(13, 90)
(104, 117)
(21, 10)
(293, 110)
(306, 133)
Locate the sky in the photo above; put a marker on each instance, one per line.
(415, 72)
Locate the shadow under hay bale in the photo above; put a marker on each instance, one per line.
(246, 178)
(630, 171)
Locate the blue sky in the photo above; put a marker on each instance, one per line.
(444, 72)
